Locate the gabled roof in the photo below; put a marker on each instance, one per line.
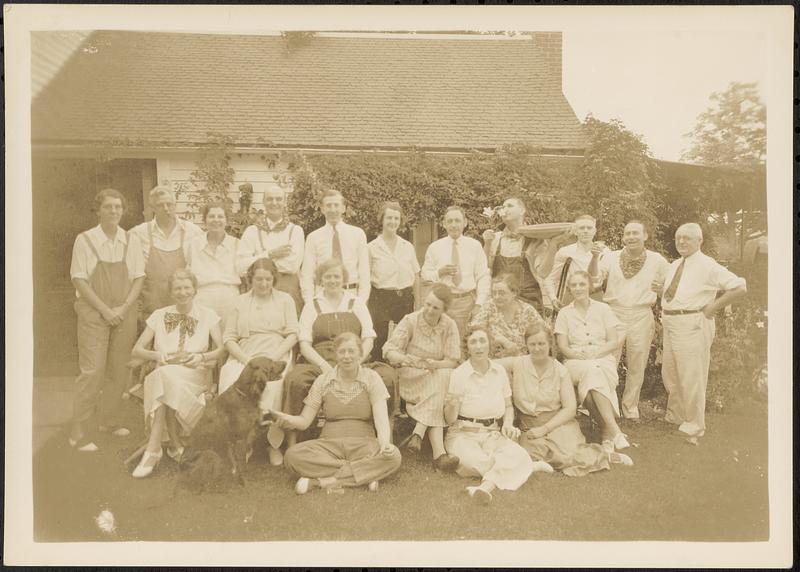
(332, 91)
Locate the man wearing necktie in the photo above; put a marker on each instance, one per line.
(688, 306)
(336, 239)
(460, 263)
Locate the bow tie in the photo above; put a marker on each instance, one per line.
(187, 323)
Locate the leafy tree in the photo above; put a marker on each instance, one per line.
(732, 132)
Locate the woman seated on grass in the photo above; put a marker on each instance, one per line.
(544, 400)
(355, 446)
(174, 392)
(481, 417)
(586, 331)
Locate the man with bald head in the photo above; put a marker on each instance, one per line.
(689, 302)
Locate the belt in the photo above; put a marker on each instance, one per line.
(397, 291)
(488, 422)
(351, 286)
(679, 312)
(462, 294)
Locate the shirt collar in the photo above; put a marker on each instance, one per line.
(493, 368)
(271, 225)
(333, 375)
(423, 323)
(225, 244)
(121, 235)
(179, 226)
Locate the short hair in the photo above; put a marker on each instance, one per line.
(443, 294)
(328, 265)
(263, 264)
(182, 274)
(691, 226)
(510, 280)
(389, 205)
(586, 217)
(475, 330)
(579, 273)
(160, 191)
(519, 202)
(639, 222)
(345, 337)
(332, 193)
(215, 205)
(269, 189)
(455, 208)
(538, 327)
(104, 194)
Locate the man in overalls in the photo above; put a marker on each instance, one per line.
(165, 245)
(107, 270)
(530, 259)
(279, 240)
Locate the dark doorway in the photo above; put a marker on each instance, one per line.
(63, 193)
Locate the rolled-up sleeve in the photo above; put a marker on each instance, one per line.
(363, 315)
(400, 337)
(135, 257)
(724, 279)
(79, 266)
(231, 333)
(289, 316)
(306, 323)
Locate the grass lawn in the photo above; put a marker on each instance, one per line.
(716, 491)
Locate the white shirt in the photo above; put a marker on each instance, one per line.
(701, 279)
(164, 242)
(484, 395)
(250, 248)
(633, 291)
(309, 315)
(319, 248)
(472, 263)
(84, 260)
(214, 268)
(392, 269)
(581, 258)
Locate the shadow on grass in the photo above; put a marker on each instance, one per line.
(716, 491)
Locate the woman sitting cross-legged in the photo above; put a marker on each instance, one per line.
(174, 392)
(586, 331)
(332, 312)
(263, 323)
(544, 400)
(426, 347)
(481, 418)
(355, 446)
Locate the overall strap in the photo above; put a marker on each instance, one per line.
(260, 238)
(526, 243)
(350, 305)
(563, 280)
(291, 230)
(91, 245)
(316, 307)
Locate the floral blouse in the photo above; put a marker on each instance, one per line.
(492, 319)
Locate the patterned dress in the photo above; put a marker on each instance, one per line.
(492, 319)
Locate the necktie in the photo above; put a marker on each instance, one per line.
(456, 261)
(673, 286)
(336, 251)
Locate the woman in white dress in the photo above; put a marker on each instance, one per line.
(174, 392)
(586, 332)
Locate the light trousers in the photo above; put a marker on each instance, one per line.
(686, 357)
(461, 310)
(639, 327)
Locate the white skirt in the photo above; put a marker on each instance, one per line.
(180, 388)
(598, 375)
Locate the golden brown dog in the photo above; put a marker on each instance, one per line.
(220, 441)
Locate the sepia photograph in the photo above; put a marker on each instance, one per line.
(378, 285)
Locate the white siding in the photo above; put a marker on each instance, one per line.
(175, 169)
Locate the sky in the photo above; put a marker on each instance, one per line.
(657, 82)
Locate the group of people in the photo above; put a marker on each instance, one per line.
(475, 366)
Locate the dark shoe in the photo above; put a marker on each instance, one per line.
(446, 463)
(414, 444)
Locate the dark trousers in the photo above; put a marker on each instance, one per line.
(387, 306)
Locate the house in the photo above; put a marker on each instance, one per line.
(133, 109)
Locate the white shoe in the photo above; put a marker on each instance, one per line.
(373, 487)
(175, 453)
(147, 465)
(483, 496)
(275, 457)
(620, 459)
(88, 447)
(620, 442)
(302, 485)
(542, 467)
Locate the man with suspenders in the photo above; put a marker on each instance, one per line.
(279, 240)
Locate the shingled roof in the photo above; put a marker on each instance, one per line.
(332, 91)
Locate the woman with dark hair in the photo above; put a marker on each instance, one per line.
(355, 445)
(544, 400)
(331, 312)
(107, 270)
(426, 347)
(505, 317)
(212, 258)
(174, 392)
(263, 323)
(394, 271)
